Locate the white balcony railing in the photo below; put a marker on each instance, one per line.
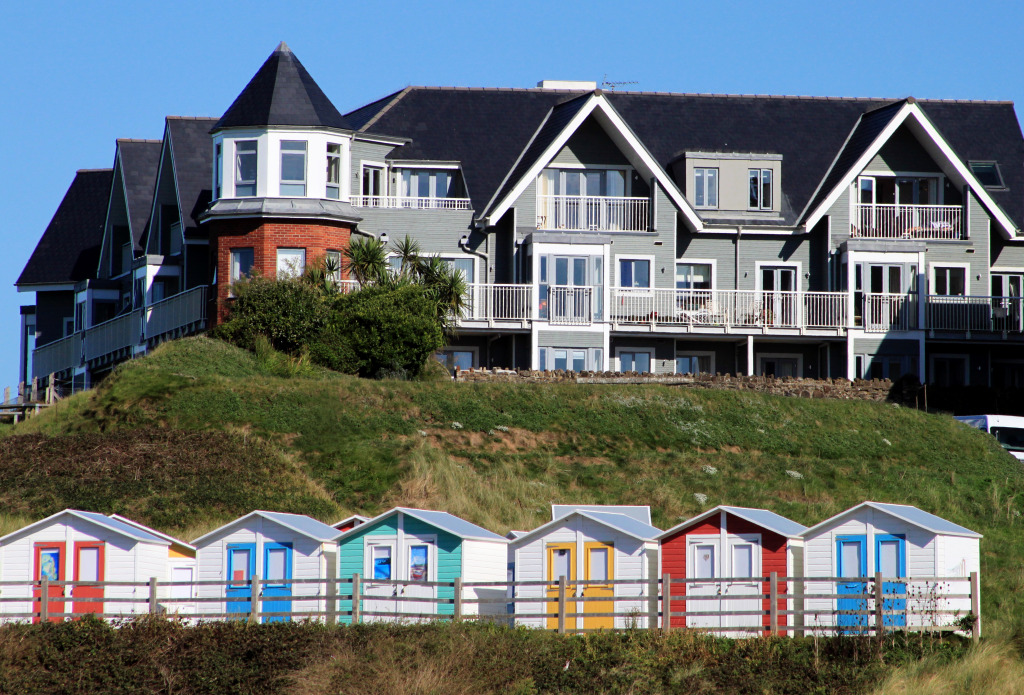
(486, 302)
(882, 313)
(942, 222)
(410, 203)
(567, 306)
(592, 213)
(176, 312)
(978, 313)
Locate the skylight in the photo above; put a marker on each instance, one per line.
(987, 173)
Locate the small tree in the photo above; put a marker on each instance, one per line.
(366, 260)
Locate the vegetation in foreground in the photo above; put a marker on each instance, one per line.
(158, 656)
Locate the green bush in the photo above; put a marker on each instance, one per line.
(291, 313)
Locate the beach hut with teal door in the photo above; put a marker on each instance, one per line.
(278, 548)
(400, 554)
(920, 556)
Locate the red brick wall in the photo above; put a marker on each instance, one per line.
(265, 236)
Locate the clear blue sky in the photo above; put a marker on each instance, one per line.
(81, 74)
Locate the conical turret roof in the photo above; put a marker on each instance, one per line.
(282, 93)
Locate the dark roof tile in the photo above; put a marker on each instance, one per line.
(140, 160)
(192, 152)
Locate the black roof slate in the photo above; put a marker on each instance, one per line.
(487, 129)
(140, 160)
(192, 154)
(282, 93)
(69, 249)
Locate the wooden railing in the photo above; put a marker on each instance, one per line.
(737, 607)
(887, 221)
(592, 213)
(411, 203)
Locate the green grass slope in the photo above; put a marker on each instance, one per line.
(245, 431)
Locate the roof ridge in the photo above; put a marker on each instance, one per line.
(395, 98)
(137, 140)
(191, 118)
(92, 171)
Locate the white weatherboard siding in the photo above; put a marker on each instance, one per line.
(484, 561)
(630, 562)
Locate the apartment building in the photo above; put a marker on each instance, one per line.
(599, 230)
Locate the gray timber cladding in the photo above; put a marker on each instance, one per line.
(970, 253)
(437, 231)
(526, 211)
(645, 245)
(717, 248)
(581, 339)
(589, 145)
(756, 252)
(363, 151)
(902, 153)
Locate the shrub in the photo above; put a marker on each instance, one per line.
(291, 313)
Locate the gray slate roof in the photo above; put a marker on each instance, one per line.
(69, 249)
(192, 152)
(451, 523)
(139, 164)
(282, 93)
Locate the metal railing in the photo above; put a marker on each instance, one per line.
(567, 306)
(411, 203)
(175, 313)
(733, 607)
(889, 221)
(487, 302)
(592, 213)
(113, 336)
(974, 313)
(57, 356)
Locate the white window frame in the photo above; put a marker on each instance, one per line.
(693, 353)
(561, 169)
(591, 356)
(409, 540)
(718, 179)
(304, 181)
(638, 257)
(760, 188)
(798, 265)
(876, 174)
(759, 357)
(338, 157)
(341, 262)
(385, 177)
(649, 351)
(255, 183)
(932, 267)
(218, 169)
(696, 261)
(277, 258)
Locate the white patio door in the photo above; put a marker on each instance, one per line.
(703, 563)
(744, 564)
(778, 283)
(380, 565)
(420, 557)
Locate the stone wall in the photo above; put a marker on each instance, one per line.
(860, 389)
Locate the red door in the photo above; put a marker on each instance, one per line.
(89, 563)
(49, 563)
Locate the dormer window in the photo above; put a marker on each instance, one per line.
(333, 171)
(424, 183)
(760, 189)
(988, 174)
(293, 167)
(245, 168)
(705, 193)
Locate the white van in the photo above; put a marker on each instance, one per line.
(1007, 429)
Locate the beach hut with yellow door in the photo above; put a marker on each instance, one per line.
(596, 545)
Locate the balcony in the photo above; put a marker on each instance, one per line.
(114, 338)
(57, 356)
(497, 304)
(925, 222)
(177, 315)
(975, 314)
(574, 213)
(409, 203)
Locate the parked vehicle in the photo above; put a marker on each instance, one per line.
(1007, 429)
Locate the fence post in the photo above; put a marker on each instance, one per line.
(879, 602)
(975, 607)
(773, 596)
(35, 389)
(666, 603)
(356, 608)
(7, 394)
(153, 607)
(44, 602)
(254, 599)
(561, 605)
(457, 611)
(652, 604)
(332, 601)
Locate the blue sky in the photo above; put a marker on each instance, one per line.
(81, 74)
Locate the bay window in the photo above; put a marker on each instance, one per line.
(293, 167)
(333, 171)
(245, 168)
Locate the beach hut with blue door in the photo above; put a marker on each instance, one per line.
(909, 546)
(278, 548)
(397, 550)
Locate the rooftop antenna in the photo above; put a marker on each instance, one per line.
(610, 86)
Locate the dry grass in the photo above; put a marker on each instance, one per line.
(994, 667)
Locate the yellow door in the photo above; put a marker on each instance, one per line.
(561, 563)
(599, 565)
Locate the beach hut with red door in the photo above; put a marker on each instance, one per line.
(726, 556)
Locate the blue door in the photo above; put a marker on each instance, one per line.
(891, 561)
(852, 566)
(241, 568)
(277, 565)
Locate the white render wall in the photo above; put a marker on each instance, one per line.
(125, 560)
(484, 561)
(928, 555)
(307, 562)
(530, 560)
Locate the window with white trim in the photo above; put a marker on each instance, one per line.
(705, 188)
(218, 169)
(634, 272)
(293, 167)
(246, 159)
(695, 363)
(693, 276)
(760, 181)
(334, 262)
(571, 359)
(424, 183)
(950, 281)
(291, 262)
(333, 170)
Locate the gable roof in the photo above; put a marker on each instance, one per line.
(139, 163)
(620, 522)
(907, 513)
(132, 531)
(489, 130)
(359, 519)
(640, 513)
(170, 539)
(282, 92)
(192, 156)
(442, 520)
(759, 517)
(300, 523)
(69, 249)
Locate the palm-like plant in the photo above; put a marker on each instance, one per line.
(408, 250)
(449, 287)
(366, 260)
